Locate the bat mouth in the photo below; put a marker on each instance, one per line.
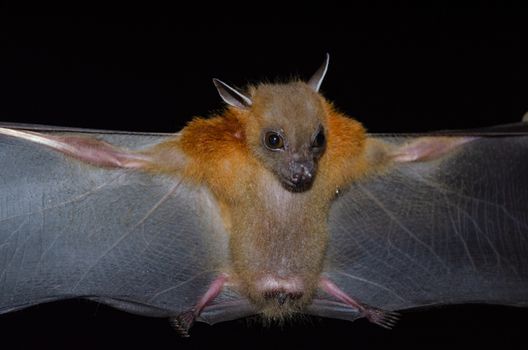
(296, 187)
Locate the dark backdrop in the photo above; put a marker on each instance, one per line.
(394, 69)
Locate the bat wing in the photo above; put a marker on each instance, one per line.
(146, 244)
(448, 231)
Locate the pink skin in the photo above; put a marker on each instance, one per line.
(183, 322)
(213, 291)
(273, 286)
(385, 319)
(333, 290)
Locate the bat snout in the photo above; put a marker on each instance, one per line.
(301, 175)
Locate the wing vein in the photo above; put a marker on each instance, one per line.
(457, 233)
(374, 284)
(126, 234)
(74, 199)
(166, 290)
(403, 227)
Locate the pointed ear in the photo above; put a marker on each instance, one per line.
(231, 96)
(428, 148)
(317, 79)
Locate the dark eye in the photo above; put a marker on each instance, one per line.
(319, 140)
(273, 141)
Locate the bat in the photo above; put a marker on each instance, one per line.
(278, 206)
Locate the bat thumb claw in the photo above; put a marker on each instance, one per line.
(183, 323)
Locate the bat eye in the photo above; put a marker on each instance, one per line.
(319, 140)
(273, 141)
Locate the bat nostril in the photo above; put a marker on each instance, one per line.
(301, 177)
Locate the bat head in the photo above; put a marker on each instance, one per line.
(286, 126)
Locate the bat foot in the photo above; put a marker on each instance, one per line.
(183, 323)
(383, 318)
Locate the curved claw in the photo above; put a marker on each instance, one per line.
(383, 318)
(183, 323)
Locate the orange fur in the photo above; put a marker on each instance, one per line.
(218, 152)
(219, 155)
(344, 160)
(215, 153)
(267, 224)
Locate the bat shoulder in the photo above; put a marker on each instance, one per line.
(215, 136)
(217, 152)
(345, 156)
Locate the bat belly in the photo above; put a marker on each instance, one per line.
(277, 248)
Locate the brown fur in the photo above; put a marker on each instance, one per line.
(272, 231)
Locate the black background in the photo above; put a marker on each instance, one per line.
(397, 69)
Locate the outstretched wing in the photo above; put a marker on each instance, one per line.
(446, 231)
(146, 244)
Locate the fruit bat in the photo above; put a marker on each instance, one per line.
(278, 206)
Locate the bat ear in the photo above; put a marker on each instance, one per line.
(428, 148)
(231, 96)
(317, 79)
